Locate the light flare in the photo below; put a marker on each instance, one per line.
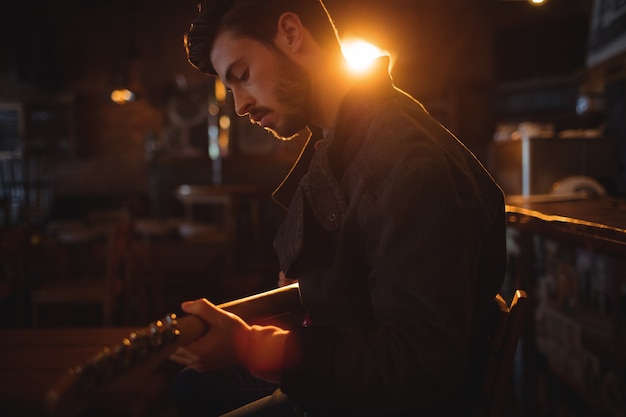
(360, 54)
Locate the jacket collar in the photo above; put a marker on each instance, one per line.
(378, 78)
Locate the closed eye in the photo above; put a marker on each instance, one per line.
(245, 75)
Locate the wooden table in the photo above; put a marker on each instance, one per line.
(31, 360)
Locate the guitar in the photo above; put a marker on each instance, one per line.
(129, 362)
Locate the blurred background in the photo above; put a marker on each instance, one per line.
(479, 66)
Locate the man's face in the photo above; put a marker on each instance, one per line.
(266, 85)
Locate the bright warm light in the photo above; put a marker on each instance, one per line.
(360, 54)
(122, 96)
(532, 2)
(220, 91)
(224, 122)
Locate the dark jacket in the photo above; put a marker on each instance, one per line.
(396, 234)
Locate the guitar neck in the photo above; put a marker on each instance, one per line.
(131, 360)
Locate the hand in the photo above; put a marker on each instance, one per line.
(225, 343)
(284, 281)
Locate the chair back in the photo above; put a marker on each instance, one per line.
(83, 266)
(505, 327)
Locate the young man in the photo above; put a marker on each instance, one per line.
(394, 230)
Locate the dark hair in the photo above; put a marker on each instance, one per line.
(256, 19)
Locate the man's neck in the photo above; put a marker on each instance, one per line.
(329, 87)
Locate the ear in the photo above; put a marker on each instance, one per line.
(289, 33)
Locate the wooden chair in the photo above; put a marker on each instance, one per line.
(89, 271)
(504, 330)
(14, 247)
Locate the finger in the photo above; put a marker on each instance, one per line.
(202, 308)
(198, 366)
(184, 355)
(188, 306)
(210, 313)
(186, 352)
(181, 359)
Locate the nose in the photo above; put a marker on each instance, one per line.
(243, 101)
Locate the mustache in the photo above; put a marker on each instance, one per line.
(257, 113)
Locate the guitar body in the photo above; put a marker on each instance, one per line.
(130, 362)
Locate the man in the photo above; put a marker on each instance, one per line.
(394, 231)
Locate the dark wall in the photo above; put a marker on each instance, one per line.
(76, 49)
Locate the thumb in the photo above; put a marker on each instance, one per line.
(202, 308)
(211, 313)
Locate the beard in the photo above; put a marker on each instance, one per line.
(293, 91)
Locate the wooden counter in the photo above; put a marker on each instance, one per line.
(570, 256)
(594, 221)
